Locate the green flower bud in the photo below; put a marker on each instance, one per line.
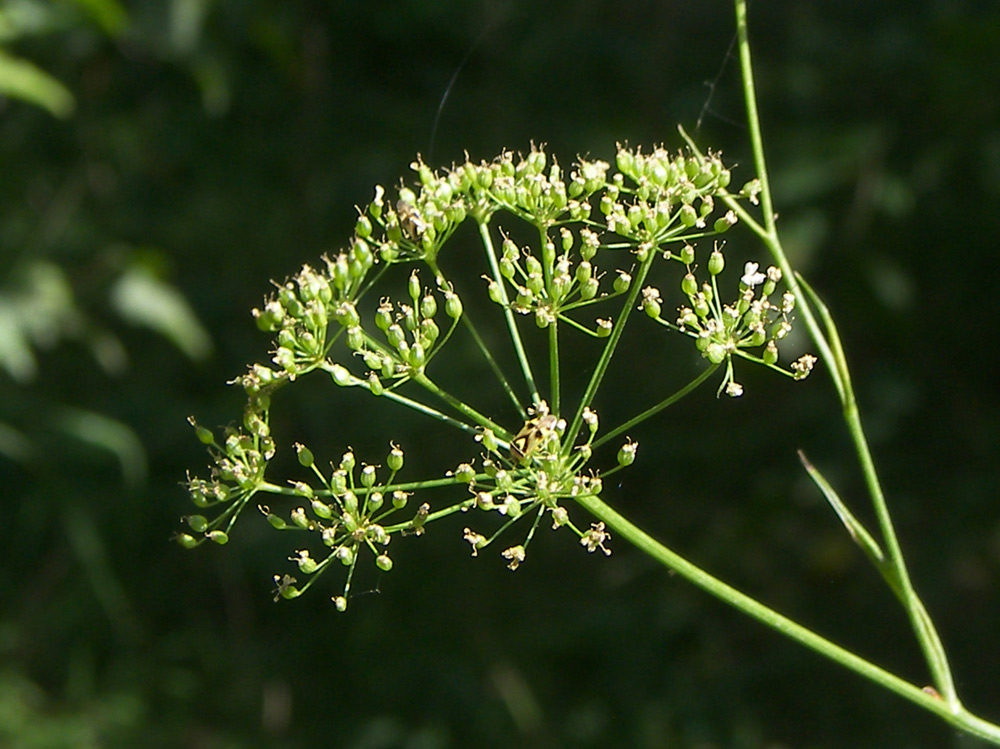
(338, 481)
(305, 562)
(204, 434)
(399, 499)
(350, 500)
(410, 321)
(489, 440)
(716, 263)
(430, 331)
(375, 501)
(465, 473)
(276, 522)
(186, 540)
(395, 459)
(383, 316)
(625, 161)
(623, 282)
(689, 217)
(363, 227)
(413, 286)
(495, 292)
(418, 356)
(725, 223)
(219, 537)
(626, 454)
(565, 239)
(603, 328)
(771, 353)
(589, 289)
(715, 352)
(304, 455)
(384, 562)
(299, 518)
(340, 375)
(689, 285)
(584, 271)
(375, 386)
(322, 510)
(355, 338)
(428, 306)
(395, 335)
(535, 283)
(452, 305)
(368, 476)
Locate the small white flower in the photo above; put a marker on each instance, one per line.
(750, 275)
(734, 390)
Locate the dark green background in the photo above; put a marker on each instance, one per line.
(228, 151)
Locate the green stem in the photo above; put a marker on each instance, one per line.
(515, 335)
(468, 411)
(954, 713)
(653, 410)
(554, 366)
(601, 367)
(504, 382)
(926, 634)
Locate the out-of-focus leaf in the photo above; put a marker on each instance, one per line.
(143, 299)
(16, 356)
(187, 18)
(20, 79)
(108, 434)
(37, 310)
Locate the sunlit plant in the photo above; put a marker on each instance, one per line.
(636, 245)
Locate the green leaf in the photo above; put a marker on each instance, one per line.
(20, 79)
(857, 531)
(145, 300)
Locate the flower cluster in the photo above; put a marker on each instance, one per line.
(720, 331)
(348, 514)
(599, 232)
(537, 476)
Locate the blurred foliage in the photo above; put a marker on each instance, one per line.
(201, 148)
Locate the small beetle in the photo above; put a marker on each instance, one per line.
(533, 433)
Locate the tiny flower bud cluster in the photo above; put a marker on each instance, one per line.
(239, 462)
(753, 321)
(670, 194)
(535, 477)
(347, 513)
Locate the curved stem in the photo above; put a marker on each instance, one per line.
(953, 713)
(832, 352)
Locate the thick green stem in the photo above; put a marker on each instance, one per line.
(924, 629)
(953, 713)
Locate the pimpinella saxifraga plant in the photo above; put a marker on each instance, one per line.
(384, 316)
(566, 256)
